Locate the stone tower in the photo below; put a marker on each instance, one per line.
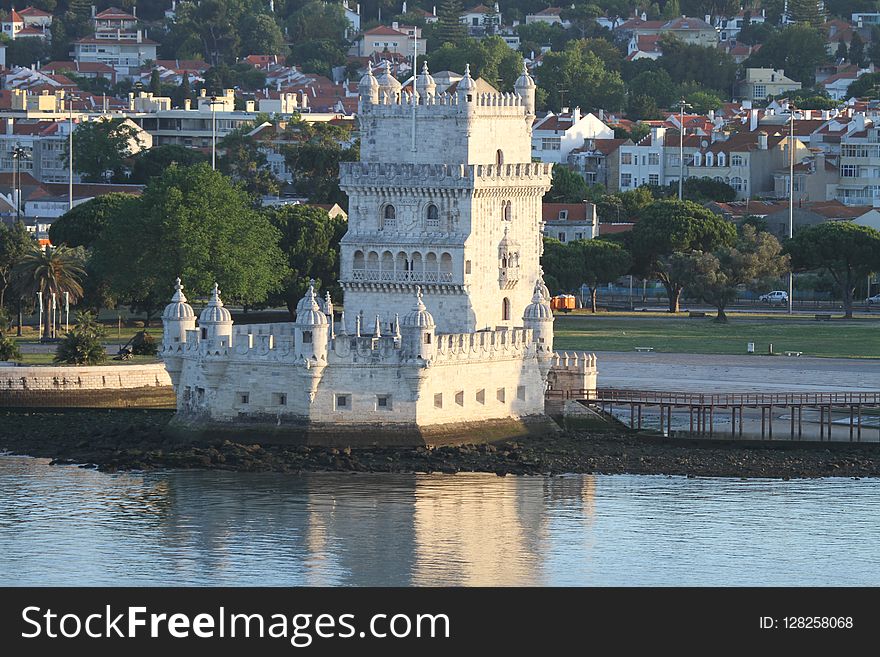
(445, 197)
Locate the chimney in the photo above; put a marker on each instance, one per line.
(712, 115)
(762, 141)
(708, 18)
(658, 135)
(249, 106)
(134, 11)
(753, 120)
(94, 11)
(140, 36)
(187, 103)
(394, 25)
(576, 115)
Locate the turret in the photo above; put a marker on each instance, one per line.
(525, 89)
(311, 329)
(215, 322)
(417, 331)
(467, 88)
(368, 88)
(389, 87)
(177, 319)
(538, 316)
(426, 88)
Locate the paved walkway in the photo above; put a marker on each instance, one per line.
(711, 373)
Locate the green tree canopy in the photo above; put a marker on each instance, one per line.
(314, 158)
(194, 223)
(15, 242)
(716, 276)
(796, 49)
(490, 58)
(245, 163)
(574, 77)
(865, 86)
(567, 186)
(260, 35)
(669, 226)
(846, 251)
(310, 242)
(708, 67)
(153, 161)
(83, 225)
(101, 148)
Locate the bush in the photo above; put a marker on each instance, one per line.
(82, 345)
(144, 344)
(9, 349)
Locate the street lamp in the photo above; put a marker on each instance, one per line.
(18, 153)
(214, 101)
(791, 110)
(70, 100)
(681, 105)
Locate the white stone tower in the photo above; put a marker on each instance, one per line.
(311, 329)
(177, 319)
(459, 216)
(418, 339)
(215, 322)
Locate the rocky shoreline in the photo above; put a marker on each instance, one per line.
(117, 440)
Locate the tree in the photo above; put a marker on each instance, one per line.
(155, 83)
(50, 271)
(314, 159)
(842, 54)
(100, 148)
(82, 345)
(15, 242)
(310, 243)
(642, 108)
(244, 162)
(857, 50)
(669, 226)
(846, 251)
(703, 102)
(154, 161)
(600, 262)
(796, 49)
(715, 277)
(8, 347)
(865, 86)
(183, 92)
(573, 77)
(582, 17)
(83, 225)
(260, 35)
(710, 68)
(657, 84)
(194, 223)
(805, 11)
(449, 26)
(567, 186)
(874, 48)
(489, 58)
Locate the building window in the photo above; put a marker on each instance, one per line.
(467, 266)
(563, 215)
(760, 91)
(737, 183)
(499, 157)
(578, 236)
(849, 171)
(343, 402)
(500, 395)
(204, 334)
(626, 158)
(383, 402)
(244, 398)
(505, 210)
(654, 159)
(505, 310)
(307, 337)
(279, 399)
(653, 179)
(550, 143)
(626, 180)
(438, 400)
(433, 216)
(561, 237)
(481, 396)
(736, 161)
(389, 217)
(427, 338)
(521, 393)
(459, 397)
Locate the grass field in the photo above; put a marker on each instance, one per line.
(46, 359)
(859, 338)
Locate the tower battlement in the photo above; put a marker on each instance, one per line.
(464, 176)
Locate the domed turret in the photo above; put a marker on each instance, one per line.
(389, 86)
(177, 319)
(417, 330)
(466, 87)
(368, 88)
(426, 88)
(538, 316)
(311, 328)
(215, 321)
(525, 89)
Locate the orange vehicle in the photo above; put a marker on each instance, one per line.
(563, 302)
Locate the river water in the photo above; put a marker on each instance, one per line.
(63, 525)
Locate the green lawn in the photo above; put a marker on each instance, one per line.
(46, 359)
(859, 338)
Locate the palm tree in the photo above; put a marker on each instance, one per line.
(50, 270)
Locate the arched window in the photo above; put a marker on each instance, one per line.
(358, 259)
(389, 215)
(698, 159)
(499, 157)
(505, 310)
(709, 159)
(721, 159)
(737, 183)
(433, 216)
(505, 208)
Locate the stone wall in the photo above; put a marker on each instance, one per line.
(112, 386)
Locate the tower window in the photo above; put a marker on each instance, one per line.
(343, 402)
(389, 216)
(279, 398)
(505, 309)
(505, 210)
(383, 402)
(427, 338)
(433, 216)
(307, 337)
(204, 334)
(459, 397)
(438, 400)
(499, 157)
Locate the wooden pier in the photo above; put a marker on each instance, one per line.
(743, 408)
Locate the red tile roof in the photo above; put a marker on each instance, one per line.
(609, 229)
(115, 13)
(577, 212)
(33, 11)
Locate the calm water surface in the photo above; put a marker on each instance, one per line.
(71, 526)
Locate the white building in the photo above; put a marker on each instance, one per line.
(450, 229)
(556, 135)
(117, 42)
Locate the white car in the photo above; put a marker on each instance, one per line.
(774, 297)
(874, 299)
